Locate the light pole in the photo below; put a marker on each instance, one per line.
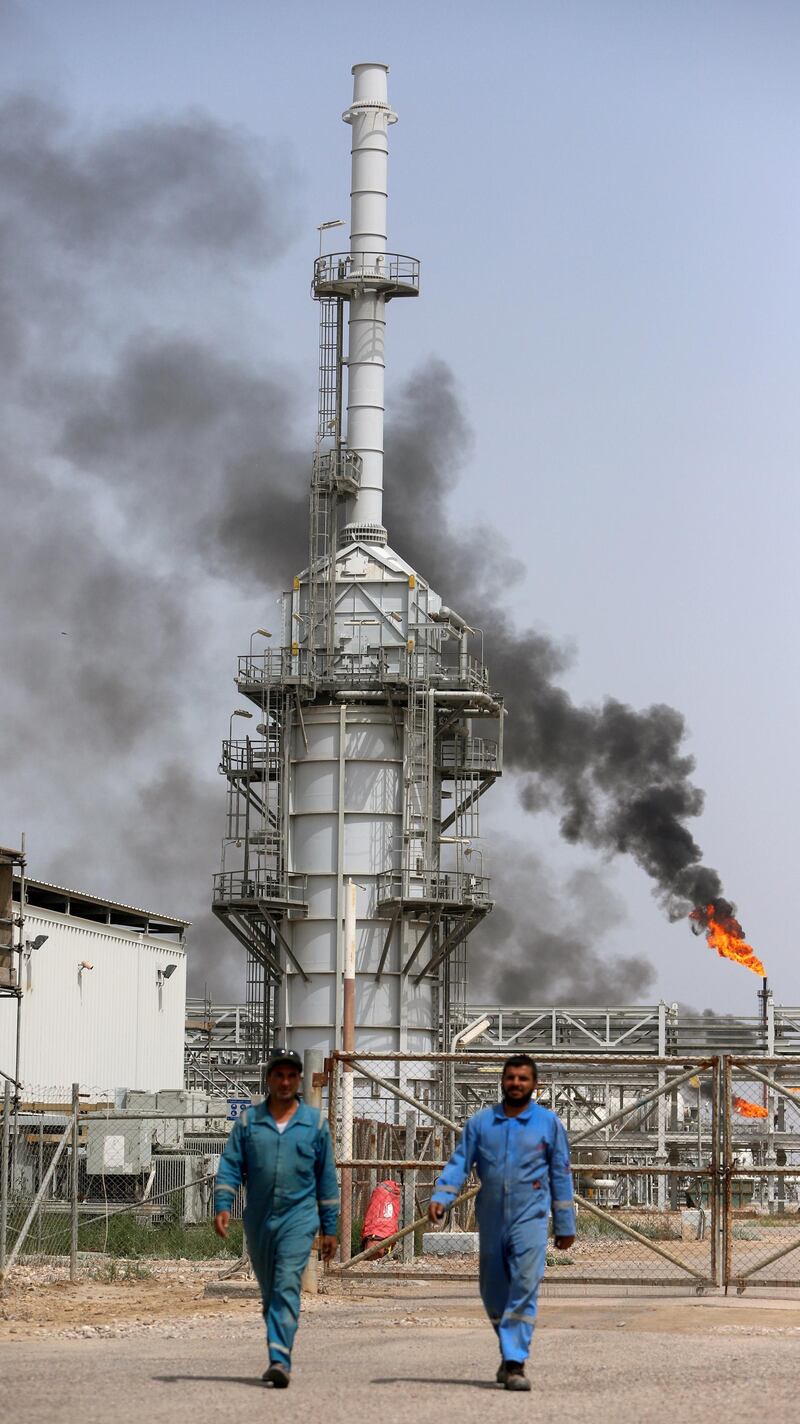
(239, 712)
(258, 633)
(460, 1040)
(324, 227)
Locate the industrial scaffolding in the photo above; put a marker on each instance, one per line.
(369, 654)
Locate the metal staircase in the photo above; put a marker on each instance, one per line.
(253, 900)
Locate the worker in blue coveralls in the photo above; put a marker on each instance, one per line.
(282, 1151)
(521, 1155)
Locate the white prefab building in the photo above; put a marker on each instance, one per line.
(103, 996)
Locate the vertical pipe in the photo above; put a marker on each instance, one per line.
(73, 1240)
(312, 1097)
(726, 1184)
(713, 1191)
(340, 885)
(661, 1109)
(348, 1044)
(372, 1152)
(349, 998)
(673, 1127)
(17, 1055)
(4, 1165)
(409, 1185)
(333, 1102)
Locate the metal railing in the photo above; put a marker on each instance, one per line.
(375, 667)
(646, 1028)
(468, 754)
(341, 272)
(337, 470)
(235, 886)
(250, 756)
(446, 887)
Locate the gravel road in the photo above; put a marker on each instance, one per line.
(420, 1355)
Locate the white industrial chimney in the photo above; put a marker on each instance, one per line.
(369, 116)
(367, 766)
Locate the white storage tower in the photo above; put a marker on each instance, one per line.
(364, 763)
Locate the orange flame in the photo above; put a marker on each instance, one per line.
(746, 1109)
(724, 934)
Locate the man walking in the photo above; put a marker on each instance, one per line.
(281, 1150)
(521, 1155)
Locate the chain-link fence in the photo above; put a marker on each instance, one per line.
(762, 1161)
(81, 1179)
(686, 1171)
(643, 1150)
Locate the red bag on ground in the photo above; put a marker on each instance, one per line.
(382, 1217)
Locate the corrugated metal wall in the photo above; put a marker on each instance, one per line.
(107, 1027)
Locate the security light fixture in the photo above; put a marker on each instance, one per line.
(165, 973)
(31, 945)
(470, 1033)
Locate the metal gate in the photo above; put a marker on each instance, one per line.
(761, 1168)
(646, 1154)
(687, 1170)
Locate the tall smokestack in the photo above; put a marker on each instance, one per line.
(369, 116)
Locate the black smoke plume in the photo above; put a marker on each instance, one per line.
(131, 453)
(618, 779)
(155, 501)
(546, 941)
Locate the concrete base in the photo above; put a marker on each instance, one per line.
(693, 1224)
(450, 1243)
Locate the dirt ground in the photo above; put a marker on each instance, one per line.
(141, 1297)
(116, 1299)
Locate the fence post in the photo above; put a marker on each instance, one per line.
(4, 1175)
(312, 1096)
(409, 1185)
(348, 1044)
(73, 1242)
(39, 1176)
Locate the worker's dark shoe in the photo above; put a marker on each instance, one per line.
(277, 1376)
(501, 1373)
(515, 1376)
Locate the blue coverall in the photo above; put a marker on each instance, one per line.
(292, 1192)
(523, 1166)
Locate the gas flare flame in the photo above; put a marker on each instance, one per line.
(724, 934)
(747, 1109)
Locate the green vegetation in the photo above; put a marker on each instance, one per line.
(124, 1272)
(128, 1235)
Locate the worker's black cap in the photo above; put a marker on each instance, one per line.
(284, 1055)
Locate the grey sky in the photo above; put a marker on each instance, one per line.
(605, 200)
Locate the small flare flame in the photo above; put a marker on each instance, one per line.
(746, 1109)
(724, 934)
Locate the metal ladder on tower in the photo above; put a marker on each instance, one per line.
(330, 369)
(418, 779)
(324, 491)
